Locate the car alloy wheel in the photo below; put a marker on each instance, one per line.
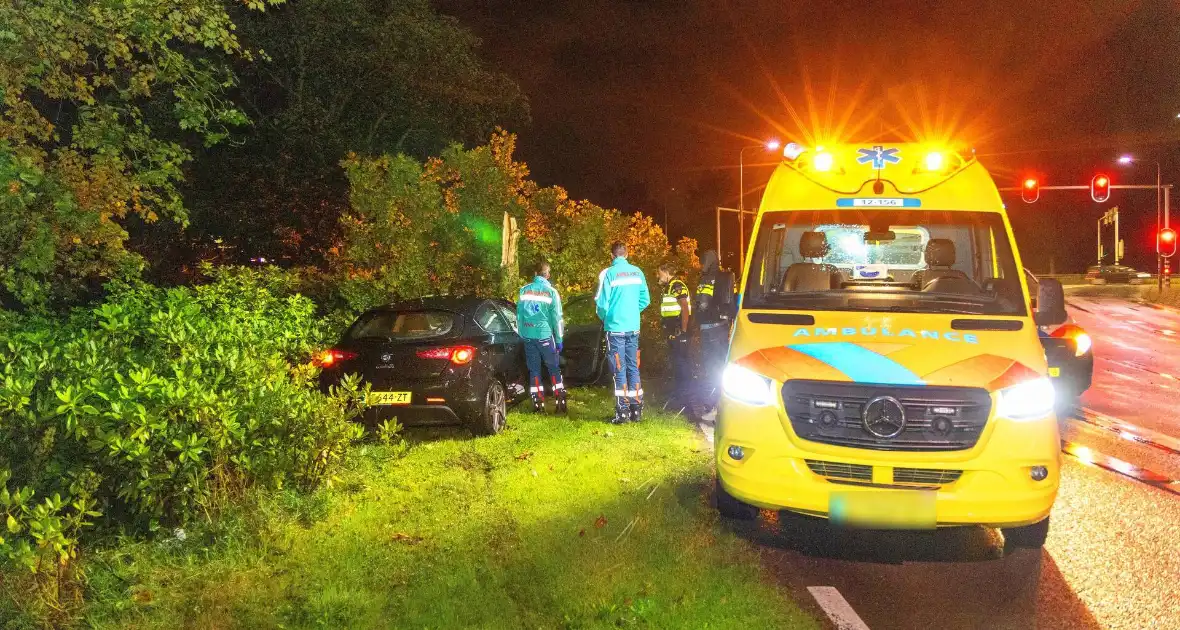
(494, 414)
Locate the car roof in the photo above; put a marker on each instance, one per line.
(459, 303)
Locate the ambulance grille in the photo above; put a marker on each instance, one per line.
(840, 471)
(936, 418)
(926, 476)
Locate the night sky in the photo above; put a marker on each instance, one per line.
(644, 104)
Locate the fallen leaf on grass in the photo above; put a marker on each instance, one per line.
(142, 596)
(600, 522)
(406, 538)
(582, 532)
(608, 434)
(524, 456)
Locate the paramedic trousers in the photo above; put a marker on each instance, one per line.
(536, 353)
(622, 350)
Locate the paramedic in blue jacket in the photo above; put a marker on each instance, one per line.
(622, 295)
(538, 315)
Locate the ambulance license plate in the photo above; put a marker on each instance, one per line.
(389, 398)
(883, 509)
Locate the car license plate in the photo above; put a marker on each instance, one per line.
(883, 509)
(389, 398)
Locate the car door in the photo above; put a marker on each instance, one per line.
(585, 344)
(505, 345)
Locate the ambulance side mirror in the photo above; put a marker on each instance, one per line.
(1050, 305)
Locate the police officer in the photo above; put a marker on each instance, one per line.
(538, 314)
(714, 308)
(675, 315)
(622, 295)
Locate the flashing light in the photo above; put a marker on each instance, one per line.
(1126, 159)
(772, 145)
(1167, 244)
(823, 161)
(934, 161)
(1100, 188)
(792, 151)
(1030, 190)
(1082, 341)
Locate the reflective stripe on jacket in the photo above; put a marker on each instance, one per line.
(538, 311)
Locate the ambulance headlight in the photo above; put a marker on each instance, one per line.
(747, 386)
(1029, 400)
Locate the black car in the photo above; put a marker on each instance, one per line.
(1068, 351)
(583, 359)
(1115, 274)
(435, 361)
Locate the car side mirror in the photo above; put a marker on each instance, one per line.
(1050, 309)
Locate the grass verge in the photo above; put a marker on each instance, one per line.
(556, 523)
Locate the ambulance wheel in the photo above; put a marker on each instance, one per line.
(1027, 537)
(731, 508)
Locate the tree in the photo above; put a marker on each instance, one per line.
(369, 76)
(100, 103)
(416, 229)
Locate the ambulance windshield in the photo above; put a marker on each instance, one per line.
(885, 260)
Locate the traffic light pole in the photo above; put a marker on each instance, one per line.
(1166, 189)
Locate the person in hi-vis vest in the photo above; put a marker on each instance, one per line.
(675, 315)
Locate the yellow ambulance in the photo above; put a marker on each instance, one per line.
(884, 369)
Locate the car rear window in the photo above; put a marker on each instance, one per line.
(404, 325)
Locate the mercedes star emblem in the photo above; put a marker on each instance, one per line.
(884, 417)
(386, 358)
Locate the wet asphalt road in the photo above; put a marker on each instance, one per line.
(1113, 555)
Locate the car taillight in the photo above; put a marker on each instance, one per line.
(334, 356)
(459, 355)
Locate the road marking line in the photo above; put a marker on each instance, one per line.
(1088, 456)
(1155, 439)
(837, 608)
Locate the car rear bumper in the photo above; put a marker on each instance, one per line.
(449, 402)
(991, 482)
(417, 415)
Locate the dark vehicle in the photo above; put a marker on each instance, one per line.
(1115, 274)
(583, 359)
(1069, 351)
(435, 361)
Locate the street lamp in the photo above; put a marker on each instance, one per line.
(1127, 160)
(769, 145)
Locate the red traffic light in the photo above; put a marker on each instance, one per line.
(1031, 190)
(1167, 242)
(1100, 188)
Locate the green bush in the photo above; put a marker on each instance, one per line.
(155, 407)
